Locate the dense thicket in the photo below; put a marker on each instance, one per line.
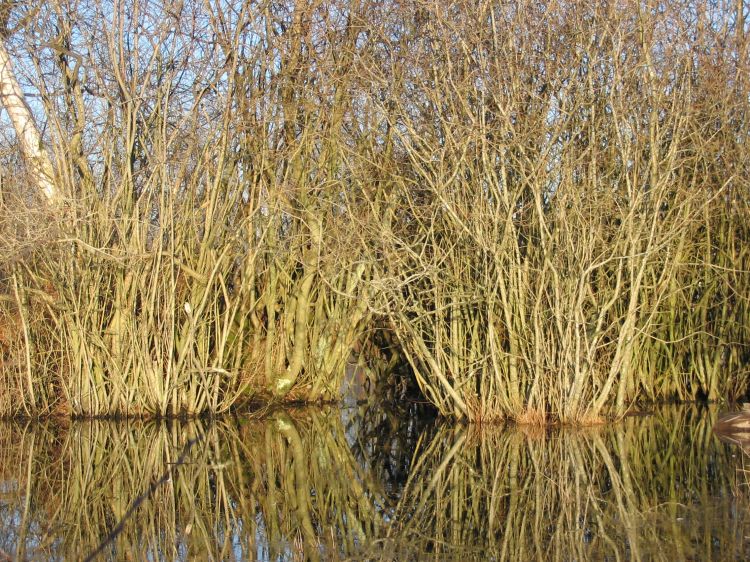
(545, 204)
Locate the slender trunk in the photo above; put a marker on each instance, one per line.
(27, 132)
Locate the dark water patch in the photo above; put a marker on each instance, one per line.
(373, 483)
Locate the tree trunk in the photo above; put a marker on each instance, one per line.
(29, 138)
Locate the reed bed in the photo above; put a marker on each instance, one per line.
(200, 255)
(544, 207)
(569, 206)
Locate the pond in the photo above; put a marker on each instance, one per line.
(365, 483)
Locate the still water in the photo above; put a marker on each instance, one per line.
(371, 484)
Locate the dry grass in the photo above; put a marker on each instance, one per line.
(532, 417)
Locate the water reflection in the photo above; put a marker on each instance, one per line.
(328, 484)
(232, 489)
(655, 488)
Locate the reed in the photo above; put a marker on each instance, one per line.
(544, 207)
(565, 236)
(201, 255)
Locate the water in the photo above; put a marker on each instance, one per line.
(370, 484)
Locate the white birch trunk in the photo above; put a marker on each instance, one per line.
(36, 157)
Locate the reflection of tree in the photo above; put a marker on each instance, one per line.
(286, 487)
(293, 486)
(613, 493)
(314, 486)
(384, 435)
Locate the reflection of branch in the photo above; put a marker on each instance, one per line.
(302, 487)
(580, 495)
(165, 477)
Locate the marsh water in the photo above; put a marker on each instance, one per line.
(368, 483)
